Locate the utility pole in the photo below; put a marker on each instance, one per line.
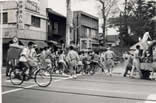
(125, 18)
(68, 23)
(104, 20)
(17, 13)
(1, 43)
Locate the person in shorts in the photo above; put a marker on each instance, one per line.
(109, 57)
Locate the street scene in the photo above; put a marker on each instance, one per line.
(78, 51)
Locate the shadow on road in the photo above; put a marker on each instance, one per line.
(82, 94)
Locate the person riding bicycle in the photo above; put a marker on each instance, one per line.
(26, 58)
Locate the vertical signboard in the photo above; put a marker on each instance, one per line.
(20, 17)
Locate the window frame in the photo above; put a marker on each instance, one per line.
(55, 27)
(5, 21)
(35, 21)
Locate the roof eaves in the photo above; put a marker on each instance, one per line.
(49, 10)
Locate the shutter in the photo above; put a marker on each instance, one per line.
(28, 19)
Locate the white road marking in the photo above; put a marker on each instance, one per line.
(8, 81)
(151, 97)
(19, 89)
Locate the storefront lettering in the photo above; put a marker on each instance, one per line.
(20, 14)
(32, 5)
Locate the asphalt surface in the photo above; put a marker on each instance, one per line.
(99, 88)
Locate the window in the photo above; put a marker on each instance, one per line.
(90, 44)
(55, 28)
(93, 33)
(5, 18)
(87, 32)
(35, 21)
(83, 44)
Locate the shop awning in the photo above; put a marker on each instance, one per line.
(55, 43)
(52, 42)
(9, 40)
(40, 44)
(6, 40)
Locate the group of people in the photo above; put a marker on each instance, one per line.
(132, 62)
(67, 60)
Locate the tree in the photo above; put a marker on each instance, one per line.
(141, 17)
(138, 15)
(106, 8)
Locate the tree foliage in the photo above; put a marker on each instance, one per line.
(137, 17)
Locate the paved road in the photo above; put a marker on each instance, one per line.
(99, 88)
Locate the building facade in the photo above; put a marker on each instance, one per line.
(25, 19)
(85, 30)
(56, 26)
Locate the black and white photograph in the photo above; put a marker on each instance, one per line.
(78, 51)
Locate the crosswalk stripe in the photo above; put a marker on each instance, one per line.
(19, 89)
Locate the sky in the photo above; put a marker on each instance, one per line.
(89, 6)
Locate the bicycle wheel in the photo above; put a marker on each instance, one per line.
(43, 77)
(16, 76)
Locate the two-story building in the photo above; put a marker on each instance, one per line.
(25, 19)
(85, 30)
(56, 26)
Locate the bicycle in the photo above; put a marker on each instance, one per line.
(42, 76)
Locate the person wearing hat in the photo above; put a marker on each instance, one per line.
(109, 58)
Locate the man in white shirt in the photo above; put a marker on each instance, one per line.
(26, 59)
(109, 57)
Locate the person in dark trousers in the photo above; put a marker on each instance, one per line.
(128, 62)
